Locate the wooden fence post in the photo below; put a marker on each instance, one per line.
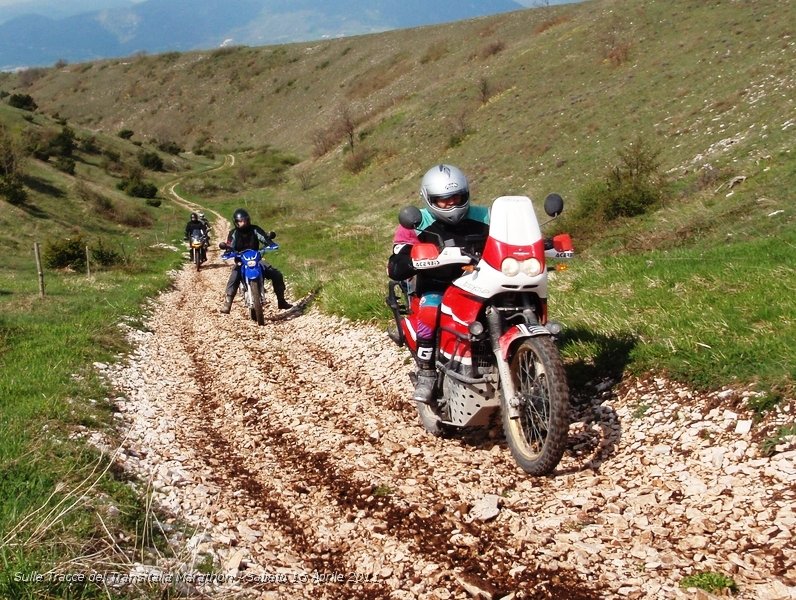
(37, 253)
(88, 265)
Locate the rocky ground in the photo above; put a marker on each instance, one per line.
(301, 471)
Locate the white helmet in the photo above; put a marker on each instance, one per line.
(446, 182)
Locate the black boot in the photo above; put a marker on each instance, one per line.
(426, 374)
(424, 387)
(279, 291)
(227, 305)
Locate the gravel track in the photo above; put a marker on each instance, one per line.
(292, 451)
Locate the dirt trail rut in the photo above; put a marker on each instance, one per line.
(292, 451)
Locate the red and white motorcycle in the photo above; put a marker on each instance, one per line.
(495, 350)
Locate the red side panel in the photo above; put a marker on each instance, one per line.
(465, 308)
(409, 325)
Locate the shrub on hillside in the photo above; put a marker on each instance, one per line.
(631, 187)
(70, 253)
(63, 144)
(138, 188)
(126, 134)
(89, 145)
(104, 256)
(11, 172)
(358, 159)
(36, 143)
(170, 147)
(492, 48)
(150, 160)
(323, 141)
(67, 253)
(13, 191)
(202, 147)
(65, 164)
(23, 102)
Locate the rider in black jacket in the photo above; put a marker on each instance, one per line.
(246, 236)
(195, 224)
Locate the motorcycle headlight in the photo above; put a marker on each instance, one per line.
(510, 267)
(251, 263)
(531, 267)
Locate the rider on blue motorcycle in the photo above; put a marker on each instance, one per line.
(246, 236)
(448, 220)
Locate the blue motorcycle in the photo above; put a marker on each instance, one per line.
(252, 280)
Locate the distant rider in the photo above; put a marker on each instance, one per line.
(447, 220)
(195, 224)
(204, 220)
(246, 236)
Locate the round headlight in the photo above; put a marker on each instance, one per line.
(531, 267)
(510, 267)
(251, 263)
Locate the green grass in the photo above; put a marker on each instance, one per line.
(56, 489)
(48, 390)
(706, 316)
(714, 583)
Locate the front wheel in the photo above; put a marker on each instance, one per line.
(197, 258)
(538, 438)
(257, 302)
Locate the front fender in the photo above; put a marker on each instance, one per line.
(250, 273)
(516, 333)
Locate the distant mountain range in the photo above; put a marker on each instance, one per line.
(155, 26)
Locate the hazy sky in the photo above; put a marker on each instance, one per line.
(77, 4)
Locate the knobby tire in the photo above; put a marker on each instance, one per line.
(538, 438)
(257, 302)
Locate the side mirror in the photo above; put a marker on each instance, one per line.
(553, 205)
(272, 234)
(410, 217)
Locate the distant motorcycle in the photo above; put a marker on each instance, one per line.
(495, 349)
(198, 244)
(252, 277)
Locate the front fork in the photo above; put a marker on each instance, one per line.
(512, 404)
(247, 293)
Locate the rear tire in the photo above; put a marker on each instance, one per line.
(538, 438)
(257, 302)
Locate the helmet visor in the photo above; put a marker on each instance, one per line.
(447, 202)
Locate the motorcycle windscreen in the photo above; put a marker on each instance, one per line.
(513, 221)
